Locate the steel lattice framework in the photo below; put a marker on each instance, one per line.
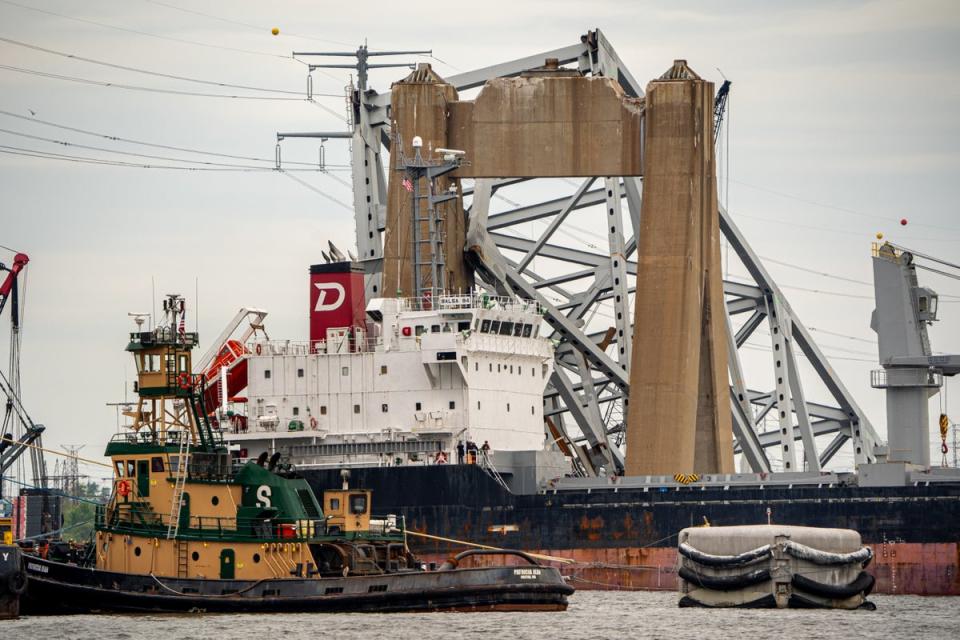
(574, 284)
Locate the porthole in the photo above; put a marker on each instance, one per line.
(195, 556)
(136, 551)
(214, 500)
(256, 558)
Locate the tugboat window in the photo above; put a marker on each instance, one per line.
(418, 407)
(266, 373)
(136, 551)
(299, 373)
(195, 556)
(296, 411)
(356, 408)
(358, 503)
(131, 468)
(323, 409)
(334, 504)
(156, 465)
(434, 328)
(119, 465)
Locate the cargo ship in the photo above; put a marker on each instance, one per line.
(435, 404)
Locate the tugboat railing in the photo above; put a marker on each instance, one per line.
(138, 521)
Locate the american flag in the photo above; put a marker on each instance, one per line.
(407, 184)
(182, 329)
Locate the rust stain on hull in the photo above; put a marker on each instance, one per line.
(903, 568)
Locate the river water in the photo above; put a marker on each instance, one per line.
(592, 614)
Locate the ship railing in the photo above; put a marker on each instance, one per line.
(139, 521)
(465, 301)
(304, 348)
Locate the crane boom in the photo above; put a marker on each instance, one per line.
(719, 107)
(9, 284)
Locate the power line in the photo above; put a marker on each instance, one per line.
(834, 207)
(106, 136)
(842, 335)
(255, 27)
(132, 87)
(316, 190)
(144, 33)
(130, 153)
(824, 229)
(158, 74)
(49, 155)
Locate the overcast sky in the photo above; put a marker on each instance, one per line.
(843, 121)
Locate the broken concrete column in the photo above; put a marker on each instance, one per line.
(419, 105)
(679, 411)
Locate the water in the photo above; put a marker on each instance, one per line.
(592, 614)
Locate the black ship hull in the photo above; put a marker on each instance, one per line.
(57, 588)
(913, 529)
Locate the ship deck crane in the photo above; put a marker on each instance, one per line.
(224, 363)
(10, 449)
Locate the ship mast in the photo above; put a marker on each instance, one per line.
(169, 408)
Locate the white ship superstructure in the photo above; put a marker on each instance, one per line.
(422, 376)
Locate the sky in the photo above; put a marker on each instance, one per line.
(842, 122)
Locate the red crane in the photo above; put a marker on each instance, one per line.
(9, 285)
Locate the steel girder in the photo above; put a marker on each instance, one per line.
(578, 285)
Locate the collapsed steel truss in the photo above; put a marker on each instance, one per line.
(585, 397)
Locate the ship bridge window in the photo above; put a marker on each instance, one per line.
(527, 330)
(518, 329)
(182, 366)
(463, 326)
(334, 504)
(358, 503)
(156, 465)
(119, 468)
(506, 328)
(147, 363)
(485, 326)
(434, 328)
(495, 326)
(131, 468)
(266, 373)
(420, 330)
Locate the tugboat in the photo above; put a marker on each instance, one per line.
(189, 527)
